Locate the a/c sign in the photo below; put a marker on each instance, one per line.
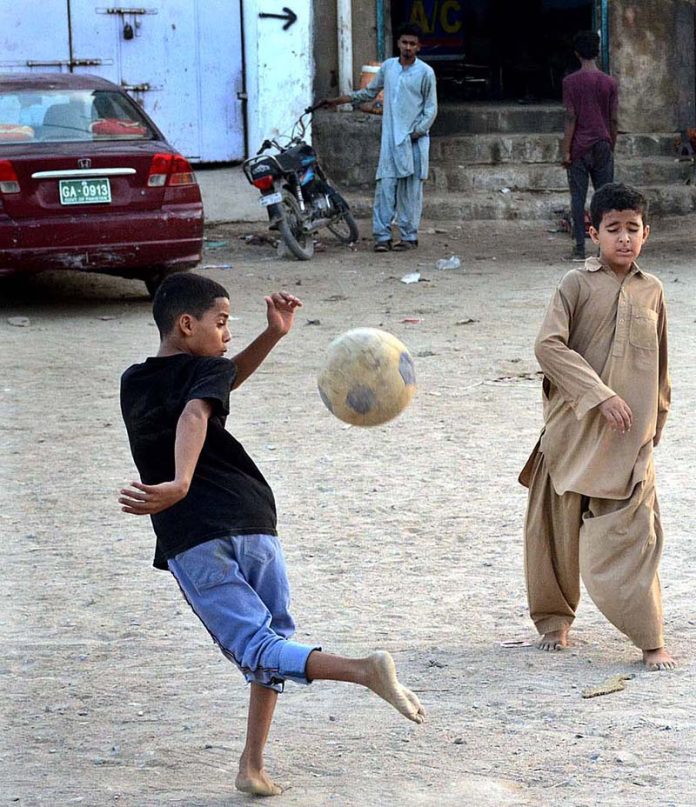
(437, 16)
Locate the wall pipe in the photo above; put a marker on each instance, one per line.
(380, 30)
(345, 46)
(242, 95)
(605, 35)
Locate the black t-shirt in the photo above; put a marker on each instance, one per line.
(228, 494)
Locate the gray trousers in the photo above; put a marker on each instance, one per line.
(597, 165)
(399, 199)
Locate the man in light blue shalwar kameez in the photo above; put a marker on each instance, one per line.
(410, 107)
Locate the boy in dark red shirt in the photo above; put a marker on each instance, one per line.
(590, 98)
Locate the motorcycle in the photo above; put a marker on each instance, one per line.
(296, 193)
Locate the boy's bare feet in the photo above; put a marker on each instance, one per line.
(253, 779)
(555, 639)
(257, 783)
(658, 659)
(382, 680)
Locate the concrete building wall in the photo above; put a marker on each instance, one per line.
(651, 54)
(326, 45)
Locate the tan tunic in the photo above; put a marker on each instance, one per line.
(603, 337)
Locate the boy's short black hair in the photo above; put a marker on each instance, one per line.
(617, 196)
(586, 44)
(409, 29)
(184, 294)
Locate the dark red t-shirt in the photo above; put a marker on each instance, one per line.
(592, 96)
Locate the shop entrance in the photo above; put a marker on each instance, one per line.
(506, 50)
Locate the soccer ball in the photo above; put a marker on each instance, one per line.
(368, 377)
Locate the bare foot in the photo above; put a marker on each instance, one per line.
(382, 681)
(255, 782)
(658, 659)
(555, 639)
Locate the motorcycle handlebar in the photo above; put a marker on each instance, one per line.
(308, 110)
(266, 145)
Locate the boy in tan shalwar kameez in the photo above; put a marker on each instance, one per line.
(592, 509)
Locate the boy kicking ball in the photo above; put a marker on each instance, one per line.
(592, 509)
(214, 514)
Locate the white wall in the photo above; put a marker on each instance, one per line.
(279, 68)
(188, 52)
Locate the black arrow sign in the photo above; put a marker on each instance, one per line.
(289, 16)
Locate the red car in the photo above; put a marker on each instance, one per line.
(88, 182)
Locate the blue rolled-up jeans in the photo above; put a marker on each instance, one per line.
(238, 587)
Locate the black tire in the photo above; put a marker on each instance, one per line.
(345, 229)
(300, 243)
(155, 278)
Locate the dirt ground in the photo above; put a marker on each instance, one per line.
(405, 537)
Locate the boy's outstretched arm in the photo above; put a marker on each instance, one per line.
(280, 313)
(191, 429)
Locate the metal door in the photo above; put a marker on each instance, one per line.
(181, 59)
(34, 37)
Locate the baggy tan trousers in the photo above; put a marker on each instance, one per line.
(613, 545)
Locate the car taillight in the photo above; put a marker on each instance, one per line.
(181, 172)
(170, 169)
(8, 178)
(264, 183)
(159, 170)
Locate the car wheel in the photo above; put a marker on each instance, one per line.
(153, 280)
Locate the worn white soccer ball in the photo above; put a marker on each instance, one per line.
(367, 378)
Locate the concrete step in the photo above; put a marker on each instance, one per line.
(446, 176)
(653, 171)
(482, 118)
(543, 205)
(659, 144)
(538, 148)
(479, 149)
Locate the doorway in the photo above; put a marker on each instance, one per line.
(503, 50)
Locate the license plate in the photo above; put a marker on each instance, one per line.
(84, 191)
(271, 199)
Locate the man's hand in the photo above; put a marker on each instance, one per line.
(145, 500)
(414, 136)
(334, 102)
(566, 161)
(617, 413)
(280, 311)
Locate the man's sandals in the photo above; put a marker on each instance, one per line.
(400, 246)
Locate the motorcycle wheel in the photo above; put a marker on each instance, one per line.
(344, 227)
(300, 243)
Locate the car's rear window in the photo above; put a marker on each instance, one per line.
(52, 116)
